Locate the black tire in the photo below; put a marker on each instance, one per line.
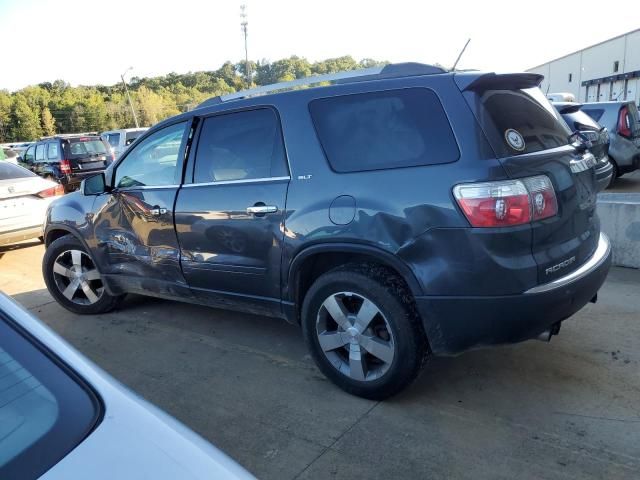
(68, 243)
(396, 307)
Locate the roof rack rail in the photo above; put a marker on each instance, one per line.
(393, 70)
(70, 135)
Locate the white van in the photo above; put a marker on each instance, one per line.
(121, 139)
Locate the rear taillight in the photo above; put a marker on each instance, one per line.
(65, 167)
(52, 192)
(624, 122)
(507, 203)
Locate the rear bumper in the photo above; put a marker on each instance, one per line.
(455, 324)
(603, 175)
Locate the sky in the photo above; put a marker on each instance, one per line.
(92, 42)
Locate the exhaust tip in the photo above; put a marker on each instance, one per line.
(546, 335)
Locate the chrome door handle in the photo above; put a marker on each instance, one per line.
(262, 209)
(157, 211)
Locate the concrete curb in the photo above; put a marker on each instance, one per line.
(620, 219)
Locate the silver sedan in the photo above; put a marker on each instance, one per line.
(62, 417)
(24, 198)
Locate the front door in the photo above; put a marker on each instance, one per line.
(134, 225)
(230, 219)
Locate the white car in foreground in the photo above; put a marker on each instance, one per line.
(24, 198)
(63, 418)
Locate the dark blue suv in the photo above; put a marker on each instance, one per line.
(397, 213)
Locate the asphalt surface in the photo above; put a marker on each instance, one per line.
(567, 409)
(629, 182)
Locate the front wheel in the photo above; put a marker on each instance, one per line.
(363, 332)
(73, 279)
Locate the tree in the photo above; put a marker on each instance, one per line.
(25, 124)
(51, 107)
(6, 103)
(48, 123)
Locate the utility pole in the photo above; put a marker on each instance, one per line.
(244, 23)
(133, 110)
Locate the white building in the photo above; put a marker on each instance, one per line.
(609, 70)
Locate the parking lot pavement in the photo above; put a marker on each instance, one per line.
(627, 183)
(568, 409)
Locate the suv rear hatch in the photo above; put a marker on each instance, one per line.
(87, 153)
(504, 104)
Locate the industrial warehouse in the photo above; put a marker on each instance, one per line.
(606, 71)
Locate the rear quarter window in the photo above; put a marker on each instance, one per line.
(381, 130)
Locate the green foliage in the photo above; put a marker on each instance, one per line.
(57, 107)
(48, 123)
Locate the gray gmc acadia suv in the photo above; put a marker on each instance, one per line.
(397, 213)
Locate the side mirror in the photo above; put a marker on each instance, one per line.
(94, 185)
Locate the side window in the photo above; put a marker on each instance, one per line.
(153, 162)
(240, 146)
(52, 151)
(40, 152)
(29, 155)
(388, 129)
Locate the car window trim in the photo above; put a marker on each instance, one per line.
(191, 167)
(242, 180)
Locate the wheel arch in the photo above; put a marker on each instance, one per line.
(332, 255)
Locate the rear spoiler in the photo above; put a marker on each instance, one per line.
(567, 107)
(497, 81)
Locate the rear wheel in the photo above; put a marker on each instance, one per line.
(73, 279)
(361, 328)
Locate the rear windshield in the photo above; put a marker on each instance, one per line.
(86, 147)
(520, 121)
(580, 121)
(388, 129)
(44, 410)
(9, 170)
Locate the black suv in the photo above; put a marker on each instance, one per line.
(68, 159)
(397, 213)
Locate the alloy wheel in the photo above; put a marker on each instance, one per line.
(355, 336)
(77, 278)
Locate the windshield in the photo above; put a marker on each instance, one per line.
(44, 411)
(9, 171)
(519, 121)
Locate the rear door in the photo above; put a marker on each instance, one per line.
(525, 131)
(230, 220)
(87, 154)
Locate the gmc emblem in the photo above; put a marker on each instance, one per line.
(560, 265)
